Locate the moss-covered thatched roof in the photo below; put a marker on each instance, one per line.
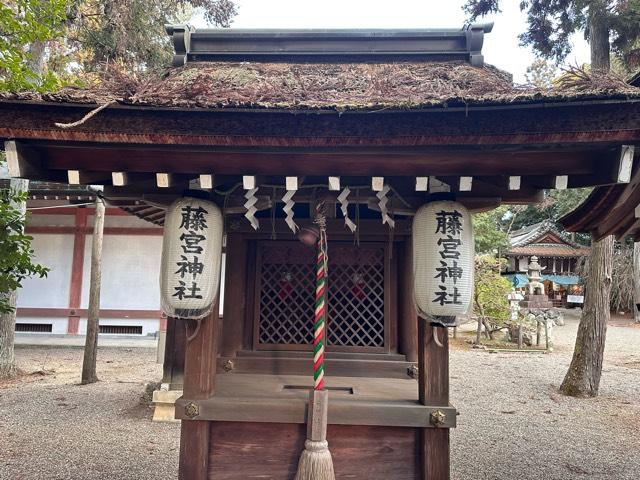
(330, 86)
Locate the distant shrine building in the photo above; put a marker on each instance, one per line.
(338, 139)
(558, 256)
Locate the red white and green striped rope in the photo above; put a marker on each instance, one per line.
(319, 326)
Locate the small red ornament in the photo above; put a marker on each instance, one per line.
(285, 286)
(358, 286)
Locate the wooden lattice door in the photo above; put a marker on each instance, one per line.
(356, 297)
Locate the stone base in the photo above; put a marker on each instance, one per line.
(536, 301)
(165, 405)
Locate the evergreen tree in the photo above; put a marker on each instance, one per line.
(132, 33)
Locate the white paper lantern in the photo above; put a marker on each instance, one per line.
(191, 256)
(443, 259)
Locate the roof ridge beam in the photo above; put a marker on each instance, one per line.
(333, 45)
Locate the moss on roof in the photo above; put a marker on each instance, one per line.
(330, 86)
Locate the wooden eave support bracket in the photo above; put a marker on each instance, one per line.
(25, 162)
(614, 168)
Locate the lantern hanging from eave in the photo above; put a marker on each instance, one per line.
(443, 261)
(191, 256)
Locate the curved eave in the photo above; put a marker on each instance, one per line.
(608, 210)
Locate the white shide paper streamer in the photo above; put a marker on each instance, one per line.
(287, 198)
(251, 208)
(344, 203)
(382, 203)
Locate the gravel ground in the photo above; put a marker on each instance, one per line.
(53, 428)
(512, 425)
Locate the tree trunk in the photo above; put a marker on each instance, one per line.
(583, 377)
(91, 341)
(636, 282)
(36, 60)
(487, 328)
(479, 331)
(599, 36)
(8, 320)
(7, 336)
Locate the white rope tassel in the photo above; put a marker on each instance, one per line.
(344, 203)
(250, 205)
(315, 462)
(382, 203)
(287, 198)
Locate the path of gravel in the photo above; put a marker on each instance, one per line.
(512, 425)
(515, 425)
(52, 428)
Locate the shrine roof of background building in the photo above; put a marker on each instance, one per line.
(543, 239)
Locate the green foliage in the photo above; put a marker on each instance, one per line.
(556, 204)
(491, 290)
(490, 231)
(541, 73)
(43, 43)
(24, 23)
(550, 24)
(16, 253)
(132, 33)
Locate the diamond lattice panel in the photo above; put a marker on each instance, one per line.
(356, 295)
(286, 294)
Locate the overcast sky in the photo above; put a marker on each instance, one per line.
(500, 47)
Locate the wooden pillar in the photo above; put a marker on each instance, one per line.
(407, 324)
(174, 352)
(199, 384)
(235, 300)
(433, 390)
(93, 317)
(77, 270)
(194, 450)
(636, 281)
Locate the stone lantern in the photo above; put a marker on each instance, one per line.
(535, 297)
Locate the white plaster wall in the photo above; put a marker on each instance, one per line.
(58, 325)
(150, 326)
(130, 272)
(523, 263)
(36, 220)
(126, 221)
(56, 252)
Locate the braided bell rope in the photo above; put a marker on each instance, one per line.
(319, 326)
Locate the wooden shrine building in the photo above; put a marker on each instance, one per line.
(399, 117)
(558, 256)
